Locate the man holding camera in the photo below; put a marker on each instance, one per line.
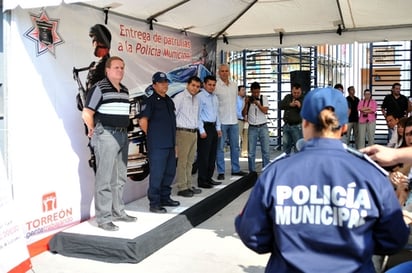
(292, 128)
(256, 109)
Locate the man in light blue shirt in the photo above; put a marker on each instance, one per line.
(209, 132)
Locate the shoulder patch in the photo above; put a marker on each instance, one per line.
(279, 157)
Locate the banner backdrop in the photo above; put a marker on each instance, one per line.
(14, 255)
(47, 147)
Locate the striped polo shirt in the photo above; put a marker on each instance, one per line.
(111, 107)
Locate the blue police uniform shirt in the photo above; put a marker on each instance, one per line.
(160, 112)
(322, 210)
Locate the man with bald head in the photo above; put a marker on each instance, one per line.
(226, 91)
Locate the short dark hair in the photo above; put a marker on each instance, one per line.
(194, 79)
(338, 86)
(296, 85)
(240, 87)
(254, 85)
(209, 78)
(395, 84)
(367, 90)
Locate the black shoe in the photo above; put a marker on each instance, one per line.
(221, 176)
(170, 203)
(158, 209)
(195, 190)
(108, 226)
(125, 218)
(205, 185)
(185, 193)
(240, 173)
(214, 183)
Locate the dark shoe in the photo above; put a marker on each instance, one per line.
(185, 193)
(195, 190)
(108, 226)
(170, 203)
(214, 183)
(158, 209)
(221, 176)
(126, 218)
(240, 173)
(205, 185)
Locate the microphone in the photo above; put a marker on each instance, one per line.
(300, 144)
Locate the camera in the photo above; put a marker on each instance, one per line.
(251, 99)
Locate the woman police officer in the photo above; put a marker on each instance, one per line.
(322, 209)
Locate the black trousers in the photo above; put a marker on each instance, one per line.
(206, 154)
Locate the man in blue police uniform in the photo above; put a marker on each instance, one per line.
(322, 209)
(158, 121)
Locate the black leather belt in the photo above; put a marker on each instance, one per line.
(209, 123)
(258, 125)
(115, 129)
(187, 130)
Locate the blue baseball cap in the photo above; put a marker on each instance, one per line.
(159, 77)
(320, 98)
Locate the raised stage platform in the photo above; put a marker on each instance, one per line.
(135, 241)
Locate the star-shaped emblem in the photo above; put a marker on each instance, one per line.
(44, 33)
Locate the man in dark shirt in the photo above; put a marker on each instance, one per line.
(292, 129)
(353, 122)
(395, 103)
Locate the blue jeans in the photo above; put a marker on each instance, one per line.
(162, 173)
(230, 131)
(254, 134)
(291, 134)
(111, 151)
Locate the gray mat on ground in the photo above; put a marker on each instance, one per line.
(120, 250)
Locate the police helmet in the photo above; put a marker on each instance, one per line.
(100, 34)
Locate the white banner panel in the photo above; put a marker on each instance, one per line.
(47, 147)
(14, 255)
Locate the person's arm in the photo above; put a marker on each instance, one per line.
(143, 123)
(245, 107)
(285, 103)
(388, 156)
(88, 119)
(254, 225)
(263, 109)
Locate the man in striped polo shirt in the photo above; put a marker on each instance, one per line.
(106, 115)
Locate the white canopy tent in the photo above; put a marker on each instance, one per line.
(256, 24)
(45, 164)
